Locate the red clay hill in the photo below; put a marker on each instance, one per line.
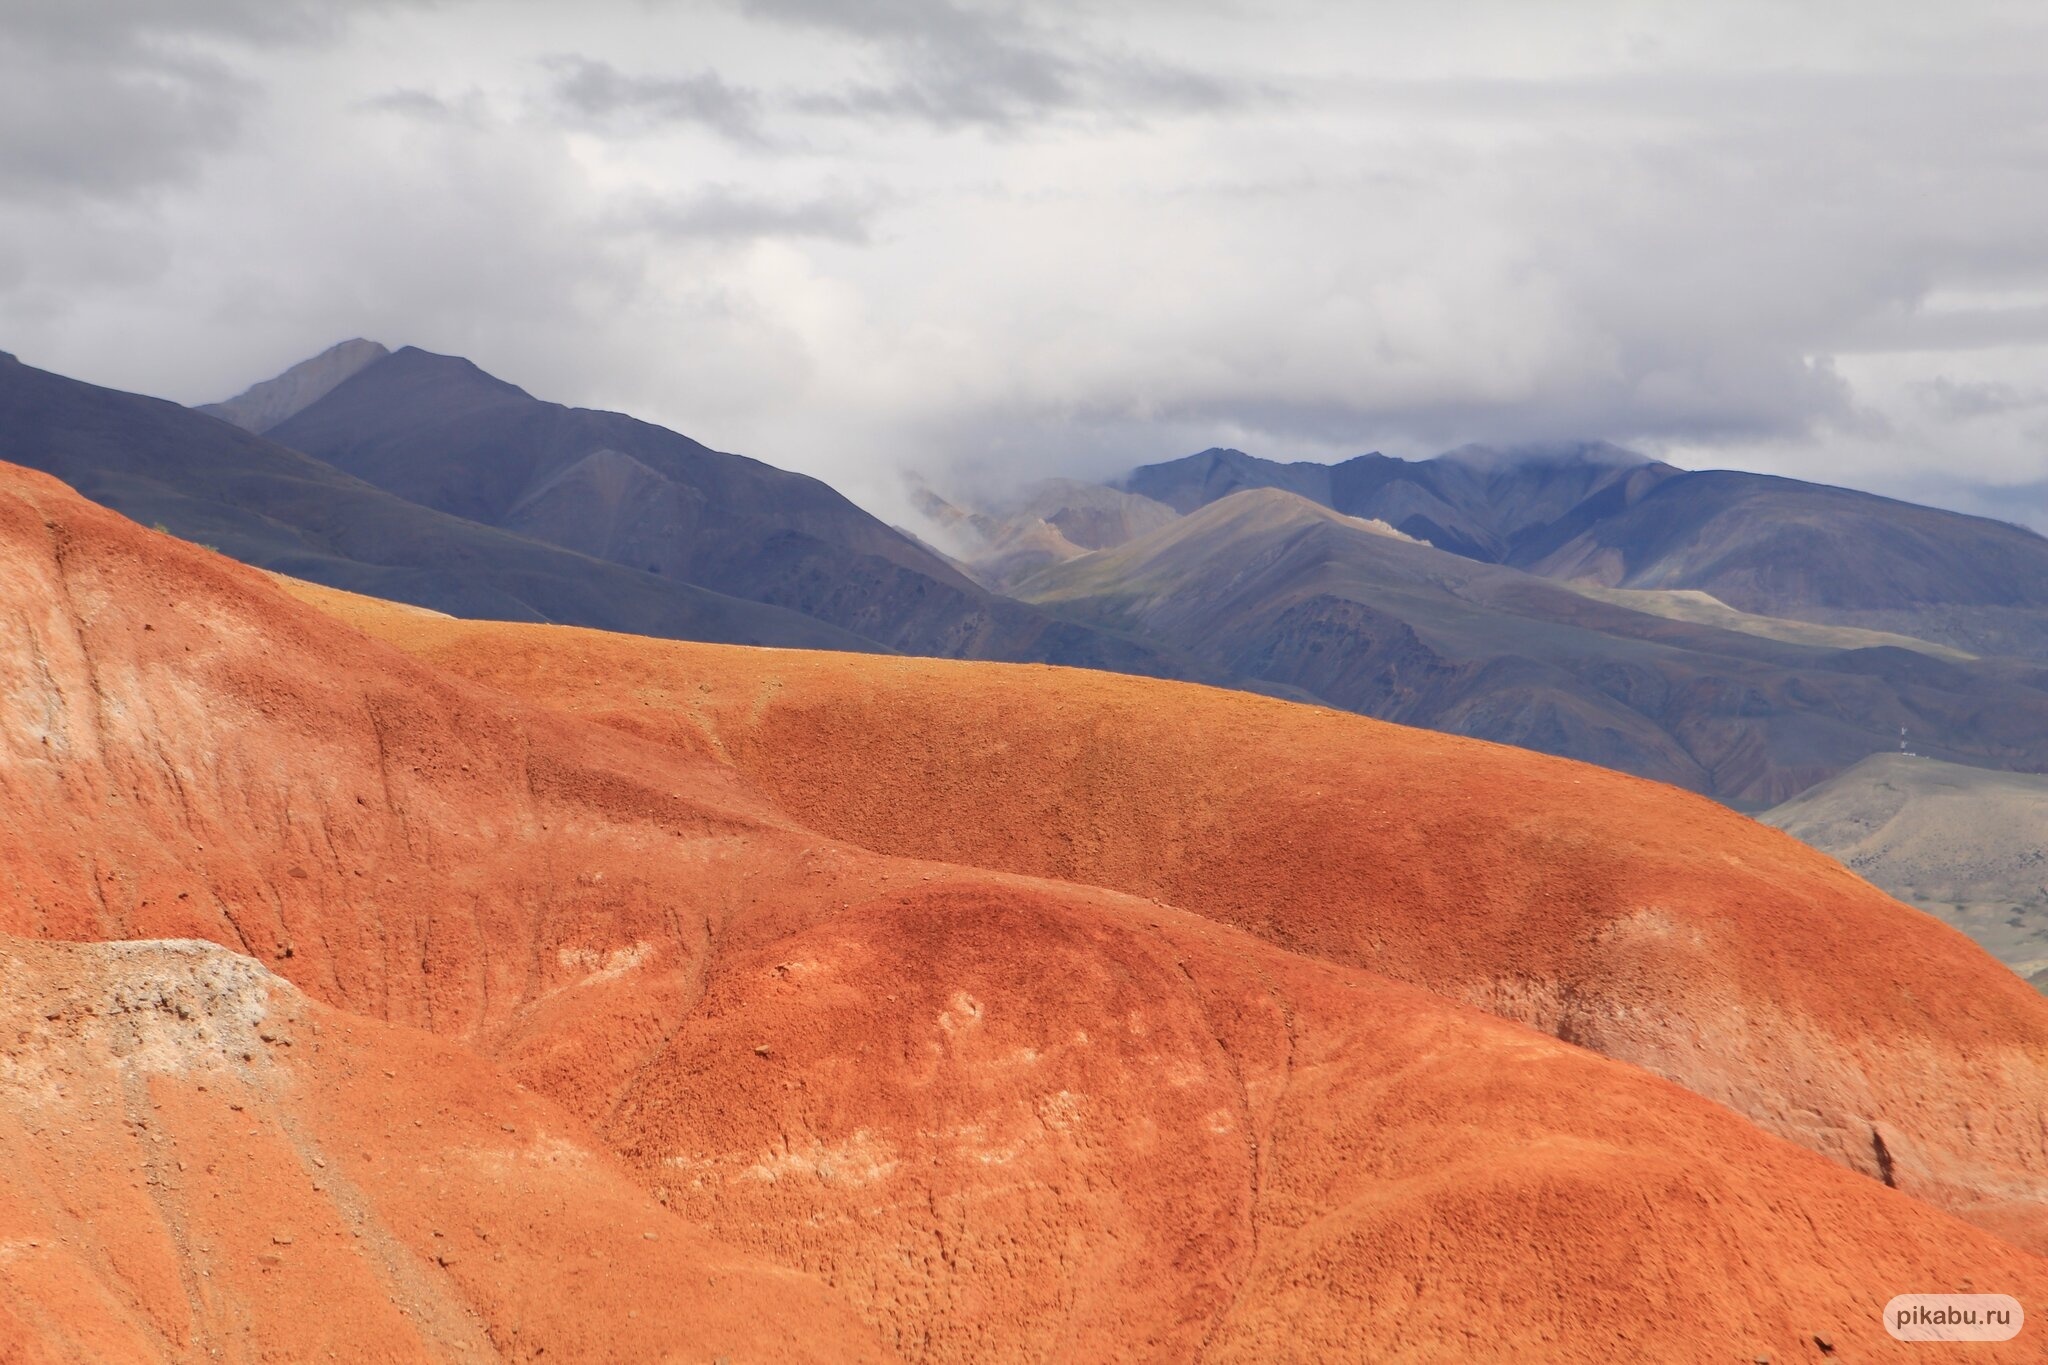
(203, 1164)
(1628, 917)
(868, 1103)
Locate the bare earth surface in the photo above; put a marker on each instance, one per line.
(938, 1012)
(204, 1164)
(1628, 917)
(1966, 844)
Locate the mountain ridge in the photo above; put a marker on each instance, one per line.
(1266, 584)
(262, 406)
(440, 432)
(215, 484)
(1765, 544)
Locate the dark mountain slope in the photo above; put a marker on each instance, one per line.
(438, 431)
(1598, 513)
(260, 407)
(1477, 501)
(1090, 516)
(1195, 481)
(216, 484)
(1781, 547)
(1005, 540)
(1270, 587)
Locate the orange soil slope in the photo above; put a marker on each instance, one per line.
(189, 754)
(1635, 919)
(1165, 1141)
(202, 1164)
(1001, 1118)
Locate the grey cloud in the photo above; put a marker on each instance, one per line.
(94, 27)
(1011, 90)
(1961, 329)
(1543, 229)
(932, 23)
(955, 65)
(426, 106)
(725, 214)
(600, 92)
(1005, 90)
(106, 128)
(1966, 399)
(1711, 398)
(105, 98)
(1175, 89)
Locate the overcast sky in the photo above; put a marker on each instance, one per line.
(993, 239)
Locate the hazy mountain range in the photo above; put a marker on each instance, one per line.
(475, 499)
(1773, 546)
(450, 989)
(1739, 635)
(209, 482)
(1331, 583)
(441, 433)
(1267, 585)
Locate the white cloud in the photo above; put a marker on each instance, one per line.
(1040, 237)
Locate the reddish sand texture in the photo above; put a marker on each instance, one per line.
(203, 1164)
(1640, 921)
(890, 1106)
(1093, 1129)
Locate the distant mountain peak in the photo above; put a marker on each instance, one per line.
(421, 365)
(262, 406)
(1193, 480)
(1272, 508)
(1545, 454)
(1268, 501)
